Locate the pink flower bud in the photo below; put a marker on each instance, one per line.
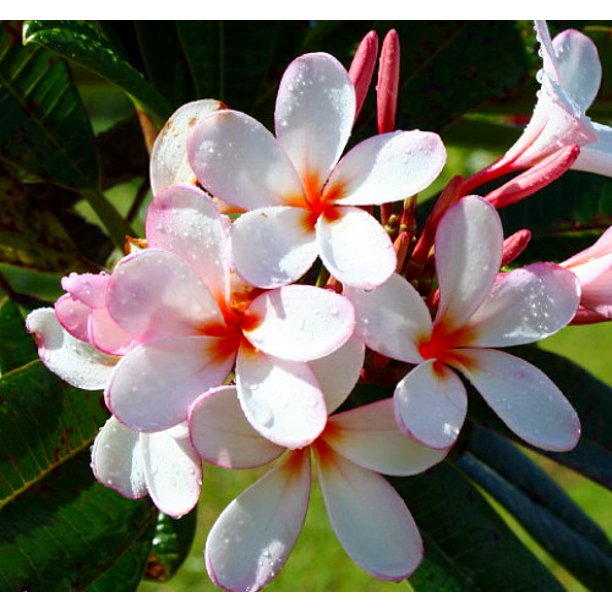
(388, 82)
(362, 67)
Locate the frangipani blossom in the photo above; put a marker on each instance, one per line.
(254, 536)
(478, 310)
(593, 268)
(192, 320)
(570, 77)
(301, 197)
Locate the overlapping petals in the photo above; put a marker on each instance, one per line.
(236, 159)
(477, 308)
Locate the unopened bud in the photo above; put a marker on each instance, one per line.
(362, 68)
(388, 82)
(514, 245)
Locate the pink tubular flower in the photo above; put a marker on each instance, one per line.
(301, 199)
(254, 536)
(593, 268)
(478, 310)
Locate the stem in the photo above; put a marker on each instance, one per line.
(116, 226)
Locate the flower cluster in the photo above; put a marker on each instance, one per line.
(271, 274)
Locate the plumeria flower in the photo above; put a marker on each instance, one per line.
(163, 465)
(193, 320)
(478, 310)
(593, 268)
(254, 536)
(301, 197)
(570, 77)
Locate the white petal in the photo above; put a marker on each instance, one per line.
(431, 404)
(526, 305)
(314, 115)
(116, 459)
(469, 243)
(236, 159)
(173, 472)
(76, 362)
(299, 322)
(392, 319)
(280, 399)
(185, 221)
(355, 248)
(388, 167)
(523, 397)
(597, 157)
(255, 534)
(338, 373)
(221, 434)
(169, 163)
(273, 246)
(369, 437)
(154, 385)
(155, 294)
(369, 517)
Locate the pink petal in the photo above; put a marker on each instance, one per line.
(526, 305)
(469, 243)
(280, 399)
(90, 289)
(314, 114)
(602, 247)
(597, 157)
(255, 534)
(155, 294)
(273, 246)
(369, 518)
(73, 316)
(523, 397)
(431, 404)
(338, 373)
(154, 385)
(169, 163)
(388, 167)
(392, 319)
(221, 434)
(355, 248)
(172, 470)
(369, 437)
(116, 460)
(106, 335)
(236, 159)
(76, 362)
(578, 67)
(186, 222)
(299, 323)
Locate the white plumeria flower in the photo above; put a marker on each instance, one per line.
(192, 322)
(570, 77)
(301, 199)
(478, 310)
(254, 536)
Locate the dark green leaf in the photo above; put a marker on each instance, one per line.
(229, 60)
(541, 506)
(82, 43)
(40, 107)
(171, 544)
(43, 422)
(16, 346)
(468, 546)
(67, 531)
(44, 286)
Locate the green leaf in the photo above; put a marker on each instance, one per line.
(44, 129)
(541, 506)
(229, 60)
(171, 544)
(468, 546)
(16, 346)
(82, 43)
(68, 531)
(43, 423)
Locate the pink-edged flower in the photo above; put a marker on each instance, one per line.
(478, 310)
(192, 320)
(252, 539)
(593, 268)
(570, 78)
(300, 195)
